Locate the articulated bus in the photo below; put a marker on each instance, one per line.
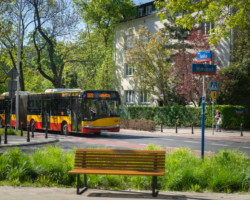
(65, 110)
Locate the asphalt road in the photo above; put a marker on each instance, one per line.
(130, 139)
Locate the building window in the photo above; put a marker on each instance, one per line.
(206, 27)
(129, 97)
(144, 97)
(148, 10)
(128, 41)
(129, 70)
(140, 12)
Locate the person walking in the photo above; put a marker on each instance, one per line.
(218, 118)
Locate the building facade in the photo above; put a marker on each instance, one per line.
(147, 16)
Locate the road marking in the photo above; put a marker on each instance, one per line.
(225, 145)
(192, 141)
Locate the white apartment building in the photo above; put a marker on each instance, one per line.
(146, 16)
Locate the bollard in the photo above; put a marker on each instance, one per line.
(161, 127)
(5, 135)
(28, 133)
(176, 127)
(241, 129)
(0, 139)
(32, 129)
(192, 127)
(46, 131)
(21, 129)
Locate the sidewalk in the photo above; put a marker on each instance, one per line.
(17, 140)
(187, 131)
(31, 193)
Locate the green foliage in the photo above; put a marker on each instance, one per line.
(230, 120)
(226, 15)
(10, 131)
(169, 115)
(52, 165)
(185, 116)
(148, 54)
(184, 171)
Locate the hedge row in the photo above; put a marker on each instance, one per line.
(185, 116)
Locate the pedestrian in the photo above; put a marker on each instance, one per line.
(218, 118)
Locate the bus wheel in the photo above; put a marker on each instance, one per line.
(65, 128)
(1, 122)
(32, 125)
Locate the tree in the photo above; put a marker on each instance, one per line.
(224, 14)
(234, 80)
(54, 20)
(148, 55)
(8, 32)
(190, 86)
(103, 15)
(100, 17)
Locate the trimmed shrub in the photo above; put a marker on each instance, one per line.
(138, 124)
(185, 116)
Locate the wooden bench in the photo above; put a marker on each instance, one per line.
(119, 162)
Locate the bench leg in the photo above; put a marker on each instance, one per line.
(154, 187)
(78, 191)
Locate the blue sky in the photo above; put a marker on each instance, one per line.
(141, 1)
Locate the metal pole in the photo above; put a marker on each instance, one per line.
(241, 129)
(18, 66)
(203, 119)
(28, 133)
(192, 127)
(213, 115)
(161, 127)
(21, 129)
(5, 135)
(46, 130)
(176, 127)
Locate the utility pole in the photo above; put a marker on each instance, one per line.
(18, 65)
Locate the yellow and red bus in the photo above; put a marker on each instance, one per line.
(67, 110)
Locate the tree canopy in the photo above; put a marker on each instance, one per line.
(224, 14)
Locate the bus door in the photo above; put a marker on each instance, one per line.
(74, 113)
(45, 113)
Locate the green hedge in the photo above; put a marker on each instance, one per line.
(185, 116)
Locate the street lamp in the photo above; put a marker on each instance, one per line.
(18, 65)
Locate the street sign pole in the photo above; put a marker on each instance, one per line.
(203, 69)
(213, 115)
(203, 119)
(18, 66)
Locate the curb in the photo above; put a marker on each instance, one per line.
(29, 143)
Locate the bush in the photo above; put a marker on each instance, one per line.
(185, 116)
(226, 171)
(137, 124)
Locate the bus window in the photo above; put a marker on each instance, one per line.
(101, 108)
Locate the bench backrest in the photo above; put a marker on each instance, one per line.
(143, 160)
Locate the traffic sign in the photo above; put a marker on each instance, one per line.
(203, 69)
(213, 94)
(12, 73)
(12, 86)
(213, 86)
(203, 56)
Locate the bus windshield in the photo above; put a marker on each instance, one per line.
(101, 108)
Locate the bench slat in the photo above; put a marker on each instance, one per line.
(117, 172)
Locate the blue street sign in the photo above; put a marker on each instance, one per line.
(239, 112)
(203, 56)
(203, 69)
(213, 86)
